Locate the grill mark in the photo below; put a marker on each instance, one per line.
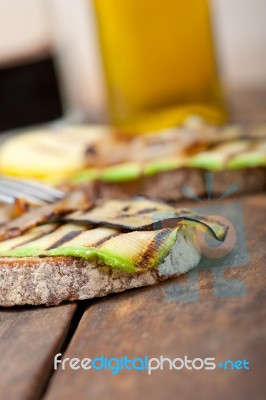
(91, 150)
(140, 212)
(124, 227)
(151, 250)
(64, 239)
(103, 240)
(84, 216)
(41, 235)
(147, 210)
(166, 223)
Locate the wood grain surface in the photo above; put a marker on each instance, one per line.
(29, 337)
(142, 322)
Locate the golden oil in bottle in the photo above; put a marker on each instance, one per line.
(159, 62)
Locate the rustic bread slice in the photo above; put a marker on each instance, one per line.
(51, 280)
(169, 186)
(115, 246)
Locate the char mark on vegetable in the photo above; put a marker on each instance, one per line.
(64, 239)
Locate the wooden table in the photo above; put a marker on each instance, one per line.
(141, 322)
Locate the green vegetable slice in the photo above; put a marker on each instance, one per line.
(132, 252)
(85, 175)
(144, 215)
(250, 159)
(158, 166)
(134, 236)
(121, 173)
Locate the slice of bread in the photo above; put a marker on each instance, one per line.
(52, 280)
(169, 186)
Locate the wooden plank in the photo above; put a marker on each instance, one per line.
(29, 337)
(141, 322)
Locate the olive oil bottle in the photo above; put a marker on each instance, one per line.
(159, 62)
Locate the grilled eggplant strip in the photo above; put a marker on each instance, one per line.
(117, 210)
(215, 155)
(192, 137)
(139, 215)
(144, 215)
(136, 235)
(78, 200)
(217, 230)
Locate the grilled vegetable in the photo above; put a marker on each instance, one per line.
(162, 165)
(139, 248)
(133, 252)
(255, 156)
(143, 215)
(232, 155)
(46, 154)
(81, 200)
(217, 158)
(81, 153)
(121, 173)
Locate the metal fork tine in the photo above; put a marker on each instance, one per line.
(22, 190)
(57, 194)
(12, 193)
(34, 185)
(32, 191)
(6, 198)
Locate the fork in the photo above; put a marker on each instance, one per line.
(29, 190)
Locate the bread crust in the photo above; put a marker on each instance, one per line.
(169, 185)
(51, 280)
